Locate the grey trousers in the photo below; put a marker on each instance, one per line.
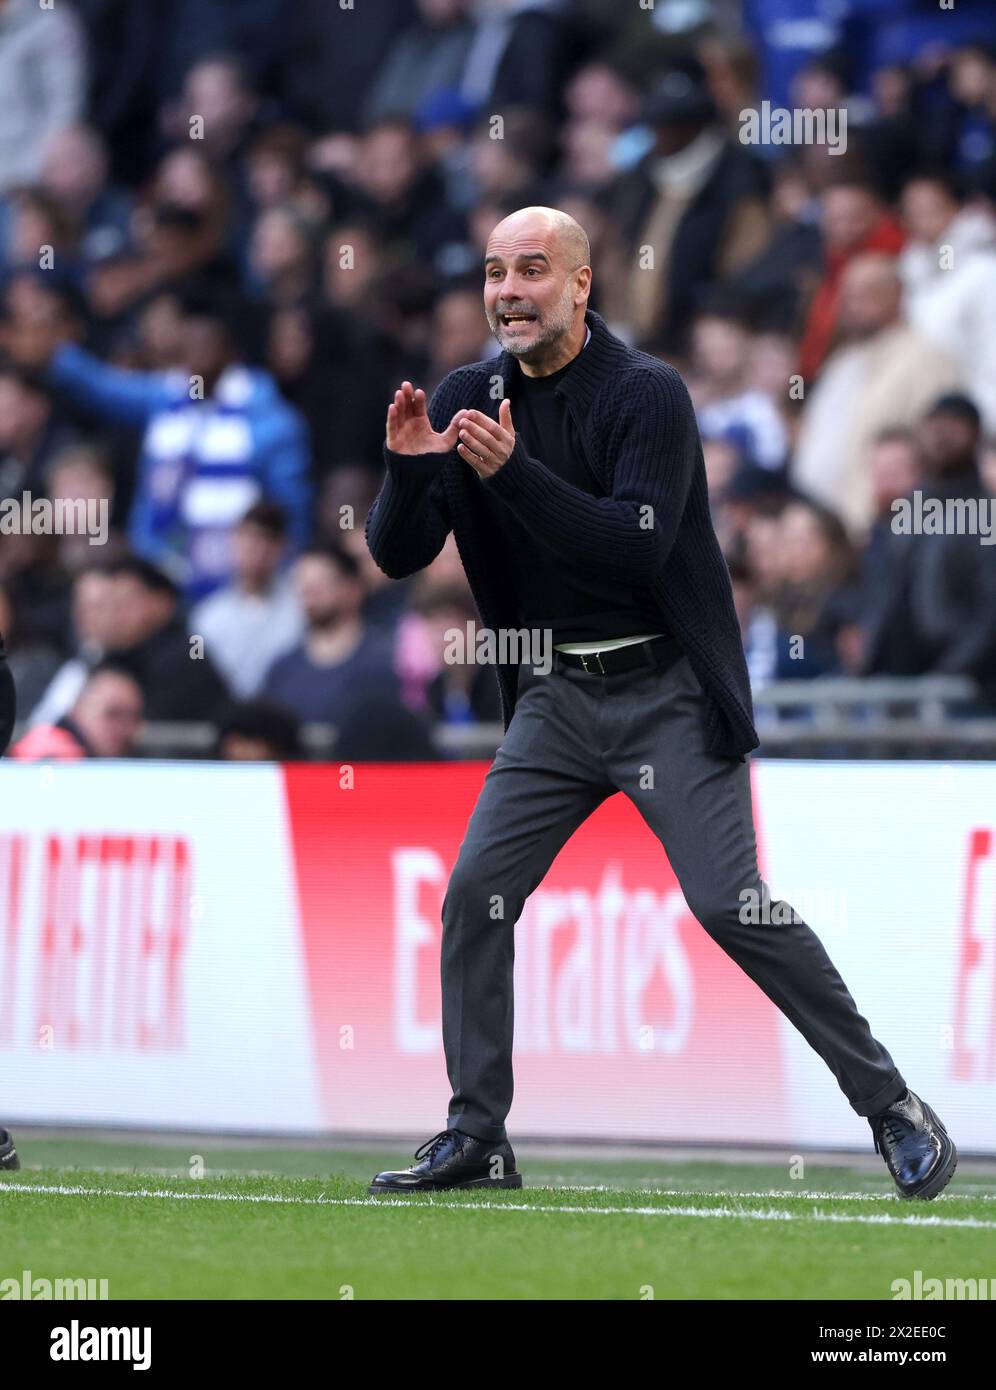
(575, 739)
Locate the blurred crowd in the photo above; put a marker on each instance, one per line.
(230, 228)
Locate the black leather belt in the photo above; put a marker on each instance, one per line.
(661, 652)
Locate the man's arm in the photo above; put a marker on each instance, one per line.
(627, 536)
(409, 520)
(129, 398)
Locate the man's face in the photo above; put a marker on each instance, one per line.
(206, 348)
(948, 442)
(73, 168)
(530, 295)
(387, 166)
(212, 90)
(849, 214)
(137, 612)
(326, 594)
(109, 712)
(94, 608)
(244, 748)
(927, 209)
(458, 330)
(804, 553)
(893, 466)
(719, 347)
(23, 412)
(256, 552)
(870, 296)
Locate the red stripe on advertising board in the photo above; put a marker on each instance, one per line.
(593, 985)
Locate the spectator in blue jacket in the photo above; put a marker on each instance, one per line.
(218, 436)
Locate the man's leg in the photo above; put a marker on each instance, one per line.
(700, 810)
(545, 780)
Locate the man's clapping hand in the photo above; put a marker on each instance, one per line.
(409, 430)
(486, 444)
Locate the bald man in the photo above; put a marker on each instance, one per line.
(570, 472)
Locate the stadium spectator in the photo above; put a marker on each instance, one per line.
(256, 618)
(341, 243)
(427, 56)
(777, 281)
(31, 663)
(697, 198)
(381, 730)
(459, 332)
(43, 75)
(853, 223)
(815, 586)
(893, 464)
(91, 623)
(726, 407)
(513, 166)
(75, 173)
(217, 106)
(258, 731)
(963, 133)
(884, 373)
(340, 661)
(521, 55)
(131, 611)
(464, 690)
(148, 634)
(305, 352)
(282, 256)
(948, 268)
(80, 479)
(935, 607)
(403, 195)
(758, 626)
(30, 431)
(103, 722)
(216, 435)
(331, 61)
(345, 501)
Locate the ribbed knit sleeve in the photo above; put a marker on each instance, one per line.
(409, 521)
(654, 445)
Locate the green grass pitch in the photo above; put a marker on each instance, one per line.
(294, 1222)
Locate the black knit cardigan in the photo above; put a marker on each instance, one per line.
(641, 442)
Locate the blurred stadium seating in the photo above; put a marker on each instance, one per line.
(290, 202)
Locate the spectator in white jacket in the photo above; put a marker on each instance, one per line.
(43, 75)
(948, 268)
(883, 374)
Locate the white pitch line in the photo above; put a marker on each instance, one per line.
(773, 1192)
(555, 1186)
(64, 1190)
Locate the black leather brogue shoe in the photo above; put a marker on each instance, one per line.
(916, 1147)
(9, 1161)
(452, 1159)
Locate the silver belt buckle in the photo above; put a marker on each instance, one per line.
(584, 662)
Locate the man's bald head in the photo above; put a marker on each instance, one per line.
(537, 279)
(567, 234)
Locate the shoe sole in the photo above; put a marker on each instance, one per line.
(511, 1180)
(944, 1174)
